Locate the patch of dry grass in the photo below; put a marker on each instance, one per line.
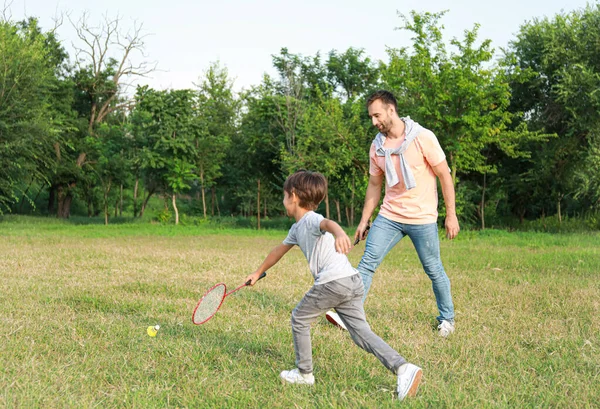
(75, 307)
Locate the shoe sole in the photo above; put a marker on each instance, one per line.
(334, 322)
(415, 384)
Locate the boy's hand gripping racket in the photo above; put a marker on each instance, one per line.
(210, 303)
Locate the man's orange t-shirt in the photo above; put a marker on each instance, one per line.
(418, 205)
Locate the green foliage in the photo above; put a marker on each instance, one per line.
(27, 128)
(557, 92)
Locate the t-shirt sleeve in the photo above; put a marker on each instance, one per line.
(432, 151)
(314, 224)
(374, 168)
(291, 237)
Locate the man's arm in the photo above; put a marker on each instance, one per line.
(371, 201)
(443, 173)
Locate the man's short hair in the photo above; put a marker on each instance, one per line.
(384, 96)
(310, 187)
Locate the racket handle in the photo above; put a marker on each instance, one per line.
(261, 276)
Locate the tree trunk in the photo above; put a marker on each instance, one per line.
(218, 209)
(258, 205)
(150, 193)
(212, 203)
(558, 210)
(339, 213)
(203, 200)
(348, 214)
(135, 194)
(352, 203)
(265, 207)
(65, 197)
(327, 205)
(51, 198)
(106, 192)
(482, 204)
(175, 208)
(121, 202)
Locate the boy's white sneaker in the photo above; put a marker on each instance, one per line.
(295, 376)
(445, 328)
(409, 377)
(335, 319)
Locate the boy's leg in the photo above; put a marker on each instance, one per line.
(314, 303)
(352, 313)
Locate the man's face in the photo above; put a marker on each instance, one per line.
(381, 116)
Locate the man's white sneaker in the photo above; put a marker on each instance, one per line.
(409, 377)
(445, 328)
(294, 376)
(335, 319)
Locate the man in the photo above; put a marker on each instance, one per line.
(410, 158)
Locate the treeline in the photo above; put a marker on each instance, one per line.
(520, 128)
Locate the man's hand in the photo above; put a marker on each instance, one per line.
(361, 232)
(452, 227)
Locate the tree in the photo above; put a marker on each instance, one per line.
(103, 67)
(27, 128)
(167, 120)
(217, 113)
(459, 95)
(557, 91)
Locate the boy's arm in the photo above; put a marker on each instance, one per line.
(272, 258)
(342, 241)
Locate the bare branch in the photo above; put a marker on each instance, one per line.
(6, 13)
(105, 48)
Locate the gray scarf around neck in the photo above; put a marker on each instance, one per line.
(412, 130)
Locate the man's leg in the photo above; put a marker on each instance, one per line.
(427, 243)
(383, 236)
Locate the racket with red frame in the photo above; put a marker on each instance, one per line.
(210, 303)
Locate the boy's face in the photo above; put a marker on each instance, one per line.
(288, 203)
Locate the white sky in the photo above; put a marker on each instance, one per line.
(186, 36)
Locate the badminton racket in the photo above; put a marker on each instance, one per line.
(210, 303)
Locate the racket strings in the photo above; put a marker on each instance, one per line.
(209, 304)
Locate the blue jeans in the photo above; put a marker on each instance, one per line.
(385, 234)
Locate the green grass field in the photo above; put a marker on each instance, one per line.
(76, 302)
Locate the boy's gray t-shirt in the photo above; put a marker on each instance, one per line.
(318, 247)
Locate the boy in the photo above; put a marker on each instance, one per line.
(337, 284)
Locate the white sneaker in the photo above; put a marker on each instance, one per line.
(335, 319)
(294, 376)
(445, 328)
(409, 377)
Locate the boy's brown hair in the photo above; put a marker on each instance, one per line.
(310, 187)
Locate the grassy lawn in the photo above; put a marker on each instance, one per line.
(77, 299)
